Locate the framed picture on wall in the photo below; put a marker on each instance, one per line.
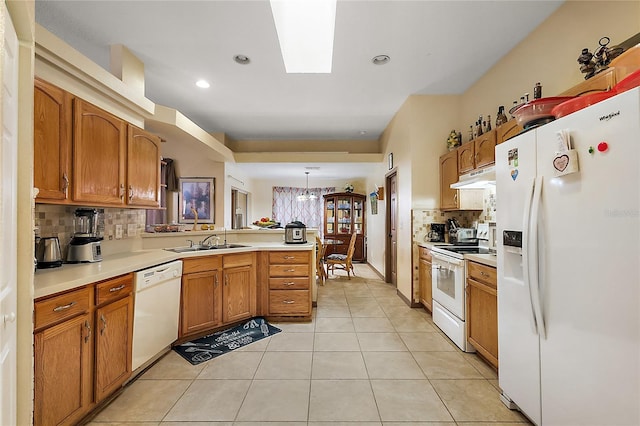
(195, 199)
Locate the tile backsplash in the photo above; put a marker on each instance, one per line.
(57, 221)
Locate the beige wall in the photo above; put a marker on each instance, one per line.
(549, 56)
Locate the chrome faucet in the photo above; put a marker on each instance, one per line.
(209, 237)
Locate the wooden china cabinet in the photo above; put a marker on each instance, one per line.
(344, 214)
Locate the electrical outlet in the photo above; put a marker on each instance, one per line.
(131, 230)
(118, 232)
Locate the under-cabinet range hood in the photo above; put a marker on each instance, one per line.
(477, 179)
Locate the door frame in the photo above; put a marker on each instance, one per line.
(388, 277)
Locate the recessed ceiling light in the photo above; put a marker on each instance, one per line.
(203, 84)
(380, 59)
(363, 132)
(242, 59)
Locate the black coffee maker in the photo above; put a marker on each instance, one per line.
(436, 234)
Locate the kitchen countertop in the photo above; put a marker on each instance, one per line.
(70, 276)
(485, 259)
(429, 245)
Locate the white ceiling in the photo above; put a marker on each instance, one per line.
(436, 47)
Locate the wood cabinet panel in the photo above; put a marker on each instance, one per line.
(300, 270)
(61, 307)
(114, 334)
(52, 124)
(143, 168)
(424, 277)
(200, 302)
(466, 158)
(485, 146)
(507, 131)
(289, 302)
(201, 264)
(482, 310)
(238, 297)
(289, 256)
(448, 175)
(240, 259)
(298, 283)
(63, 372)
(114, 288)
(99, 149)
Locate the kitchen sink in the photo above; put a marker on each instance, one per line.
(204, 248)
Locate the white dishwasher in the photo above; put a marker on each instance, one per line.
(156, 311)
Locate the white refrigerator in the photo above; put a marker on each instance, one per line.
(569, 267)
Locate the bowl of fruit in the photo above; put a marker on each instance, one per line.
(265, 222)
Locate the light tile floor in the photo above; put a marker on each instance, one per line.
(366, 359)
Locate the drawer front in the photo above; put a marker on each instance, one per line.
(289, 283)
(289, 257)
(289, 270)
(114, 288)
(425, 253)
(291, 302)
(58, 308)
(235, 260)
(483, 273)
(201, 264)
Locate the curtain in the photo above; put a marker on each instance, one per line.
(286, 207)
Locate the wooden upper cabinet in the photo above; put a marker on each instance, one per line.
(448, 175)
(143, 168)
(507, 131)
(99, 150)
(52, 123)
(466, 158)
(485, 149)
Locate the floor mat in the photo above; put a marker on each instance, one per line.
(221, 342)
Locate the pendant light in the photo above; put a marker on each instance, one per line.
(306, 196)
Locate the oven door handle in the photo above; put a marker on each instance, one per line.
(449, 260)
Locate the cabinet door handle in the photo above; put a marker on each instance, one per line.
(64, 307)
(104, 324)
(215, 280)
(289, 270)
(290, 283)
(455, 196)
(88, 327)
(65, 183)
(484, 274)
(226, 280)
(289, 257)
(121, 191)
(130, 192)
(288, 302)
(114, 289)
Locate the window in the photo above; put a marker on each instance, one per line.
(286, 207)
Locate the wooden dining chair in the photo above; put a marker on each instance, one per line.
(320, 271)
(343, 261)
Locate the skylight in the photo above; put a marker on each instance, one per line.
(305, 31)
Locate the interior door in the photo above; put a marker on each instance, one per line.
(8, 219)
(392, 213)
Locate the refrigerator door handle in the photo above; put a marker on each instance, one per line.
(533, 254)
(525, 251)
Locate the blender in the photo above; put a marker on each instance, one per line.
(85, 244)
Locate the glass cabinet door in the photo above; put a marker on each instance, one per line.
(344, 215)
(330, 217)
(357, 217)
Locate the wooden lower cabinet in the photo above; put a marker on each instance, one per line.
(237, 294)
(201, 296)
(82, 349)
(114, 333)
(217, 290)
(424, 277)
(63, 372)
(289, 276)
(482, 310)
